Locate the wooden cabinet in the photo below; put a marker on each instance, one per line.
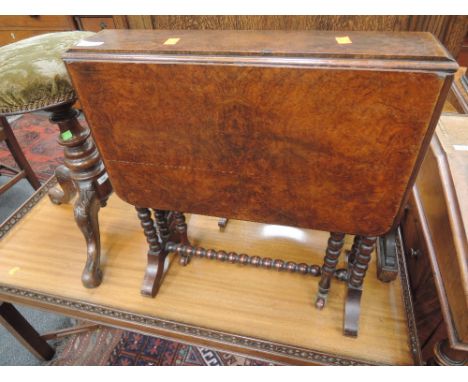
(15, 28)
(95, 23)
(435, 240)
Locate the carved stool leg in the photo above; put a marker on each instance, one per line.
(156, 253)
(89, 176)
(355, 281)
(67, 190)
(335, 244)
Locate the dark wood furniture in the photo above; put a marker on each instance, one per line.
(434, 230)
(25, 171)
(450, 30)
(258, 313)
(17, 325)
(310, 129)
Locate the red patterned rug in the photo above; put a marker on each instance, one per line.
(114, 347)
(105, 346)
(38, 140)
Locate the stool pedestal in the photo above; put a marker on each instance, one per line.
(84, 172)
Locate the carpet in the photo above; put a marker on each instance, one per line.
(38, 139)
(105, 346)
(115, 347)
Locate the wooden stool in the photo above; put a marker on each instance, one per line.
(25, 170)
(33, 77)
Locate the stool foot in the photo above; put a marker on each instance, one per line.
(67, 190)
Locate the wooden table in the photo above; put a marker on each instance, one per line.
(320, 130)
(255, 312)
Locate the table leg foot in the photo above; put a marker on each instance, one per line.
(321, 301)
(153, 274)
(222, 223)
(357, 271)
(67, 190)
(86, 215)
(335, 244)
(352, 312)
(156, 253)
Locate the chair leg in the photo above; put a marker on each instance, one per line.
(334, 247)
(18, 154)
(90, 178)
(17, 325)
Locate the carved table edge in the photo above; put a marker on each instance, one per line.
(414, 344)
(267, 347)
(241, 342)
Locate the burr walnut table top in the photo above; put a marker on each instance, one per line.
(218, 305)
(322, 130)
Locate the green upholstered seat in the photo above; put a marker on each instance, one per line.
(32, 73)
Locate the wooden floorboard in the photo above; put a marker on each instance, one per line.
(45, 253)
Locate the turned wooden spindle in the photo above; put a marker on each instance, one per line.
(88, 174)
(335, 244)
(187, 251)
(343, 273)
(361, 261)
(162, 225)
(181, 226)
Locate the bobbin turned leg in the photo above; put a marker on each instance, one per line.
(343, 273)
(355, 281)
(156, 253)
(89, 176)
(181, 229)
(335, 244)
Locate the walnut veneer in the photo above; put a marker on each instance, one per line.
(322, 130)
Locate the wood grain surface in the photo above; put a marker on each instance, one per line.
(45, 253)
(443, 190)
(333, 149)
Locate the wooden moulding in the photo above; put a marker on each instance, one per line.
(238, 111)
(107, 314)
(442, 223)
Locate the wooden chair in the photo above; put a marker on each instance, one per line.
(25, 171)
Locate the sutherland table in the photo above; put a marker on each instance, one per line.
(255, 312)
(319, 130)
